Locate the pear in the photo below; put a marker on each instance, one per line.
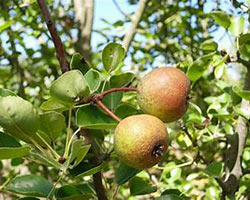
(164, 93)
(140, 141)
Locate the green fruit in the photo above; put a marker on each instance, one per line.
(164, 93)
(140, 141)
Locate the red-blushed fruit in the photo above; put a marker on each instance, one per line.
(164, 93)
(141, 140)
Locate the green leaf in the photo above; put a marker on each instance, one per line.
(52, 104)
(91, 171)
(91, 117)
(219, 71)
(5, 93)
(30, 185)
(13, 152)
(28, 198)
(76, 145)
(245, 94)
(125, 110)
(214, 169)
(52, 123)
(121, 80)
(237, 26)
(8, 141)
(39, 158)
(66, 191)
(124, 173)
(244, 45)
(93, 80)
(112, 56)
(197, 69)
(221, 18)
(138, 186)
(81, 154)
(18, 117)
(69, 88)
(170, 197)
(78, 62)
(209, 45)
(6, 25)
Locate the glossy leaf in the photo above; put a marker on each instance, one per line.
(244, 45)
(81, 154)
(8, 141)
(91, 117)
(209, 45)
(121, 80)
(70, 88)
(125, 110)
(52, 123)
(93, 80)
(237, 26)
(138, 186)
(13, 152)
(78, 62)
(124, 173)
(30, 185)
(6, 25)
(245, 94)
(197, 69)
(112, 56)
(170, 197)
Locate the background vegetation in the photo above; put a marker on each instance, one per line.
(209, 152)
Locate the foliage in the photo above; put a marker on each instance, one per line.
(54, 136)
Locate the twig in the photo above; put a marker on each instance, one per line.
(134, 23)
(105, 108)
(55, 37)
(97, 177)
(119, 8)
(106, 92)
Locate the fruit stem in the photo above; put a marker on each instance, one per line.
(105, 93)
(105, 108)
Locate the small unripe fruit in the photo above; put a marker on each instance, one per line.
(164, 93)
(140, 141)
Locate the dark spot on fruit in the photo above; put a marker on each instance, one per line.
(158, 150)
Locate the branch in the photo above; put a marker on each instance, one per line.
(134, 23)
(119, 8)
(105, 108)
(105, 93)
(97, 177)
(230, 180)
(55, 37)
(84, 14)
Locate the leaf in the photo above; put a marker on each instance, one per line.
(8, 141)
(76, 145)
(219, 71)
(214, 169)
(244, 45)
(6, 25)
(12, 152)
(221, 18)
(91, 171)
(245, 94)
(112, 56)
(81, 154)
(197, 69)
(66, 191)
(28, 198)
(138, 186)
(93, 80)
(91, 117)
(237, 26)
(78, 62)
(30, 185)
(170, 197)
(121, 80)
(69, 88)
(52, 123)
(5, 93)
(18, 117)
(39, 158)
(209, 45)
(52, 104)
(124, 173)
(125, 110)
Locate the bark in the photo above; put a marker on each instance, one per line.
(84, 15)
(129, 36)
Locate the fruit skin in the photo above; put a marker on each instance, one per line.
(137, 138)
(164, 93)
